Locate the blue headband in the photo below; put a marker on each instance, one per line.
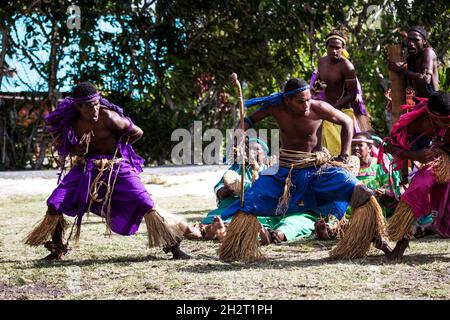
(274, 98)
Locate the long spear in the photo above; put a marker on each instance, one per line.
(234, 79)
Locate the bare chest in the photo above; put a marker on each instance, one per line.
(96, 131)
(331, 74)
(96, 137)
(298, 127)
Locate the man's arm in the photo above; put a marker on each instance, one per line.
(350, 86)
(426, 72)
(257, 116)
(329, 113)
(135, 134)
(423, 155)
(117, 123)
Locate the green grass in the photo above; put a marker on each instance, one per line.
(119, 267)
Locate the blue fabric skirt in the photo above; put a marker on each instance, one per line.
(325, 190)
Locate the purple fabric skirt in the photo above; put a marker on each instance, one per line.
(130, 200)
(424, 195)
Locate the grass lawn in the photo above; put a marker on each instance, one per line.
(119, 267)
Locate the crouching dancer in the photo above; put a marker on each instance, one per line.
(307, 180)
(104, 178)
(422, 135)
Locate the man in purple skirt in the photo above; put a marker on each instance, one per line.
(104, 178)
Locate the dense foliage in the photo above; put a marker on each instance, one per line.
(168, 62)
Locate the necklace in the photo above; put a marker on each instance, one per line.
(86, 138)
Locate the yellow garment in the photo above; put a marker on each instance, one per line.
(331, 134)
(345, 54)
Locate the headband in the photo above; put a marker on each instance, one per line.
(274, 98)
(87, 99)
(363, 140)
(335, 36)
(421, 32)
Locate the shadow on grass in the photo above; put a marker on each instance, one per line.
(276, 263)
(267, 263)
(42, 264)
(419, 258)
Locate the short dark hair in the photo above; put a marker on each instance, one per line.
(439, 102)
(293, 84)
(83, 89)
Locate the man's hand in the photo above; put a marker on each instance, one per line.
(342, 158)
(397, 67)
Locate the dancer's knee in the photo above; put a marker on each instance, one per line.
(361, 194)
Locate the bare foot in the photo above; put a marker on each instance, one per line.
(57, 251)
(277, 236)
(192, 233)
(177, 253)
(399, 249)
(269, 236)
(382, 244)
(421, 231)
(216, 230)
(321, 229)
(418, 232)
(265, 236)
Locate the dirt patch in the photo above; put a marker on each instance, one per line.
(39, 290)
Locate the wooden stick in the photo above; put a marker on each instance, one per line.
(398, 86)
(398, 90)
(236, 82)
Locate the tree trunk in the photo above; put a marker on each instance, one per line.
(3, 55)
(54, 62)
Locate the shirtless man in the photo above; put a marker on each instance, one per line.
(421, 67)
(105, 178)
(303, 181)
(340, 89)
(337, 72)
